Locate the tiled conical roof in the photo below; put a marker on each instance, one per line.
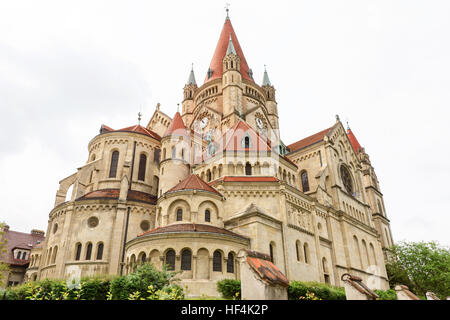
(221, 50)
(176, 126)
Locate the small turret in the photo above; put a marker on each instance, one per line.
(188, 102)
(271, 103)
(175, 164)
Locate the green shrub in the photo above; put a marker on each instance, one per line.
(386, 294)
(139, 281)
(302, 290)
(230, 289)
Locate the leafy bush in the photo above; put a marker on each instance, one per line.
(321, 291)
(386, 294)
(230, 289)
(145, 283)
(139, 281)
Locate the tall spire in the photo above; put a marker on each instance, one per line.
(191, 79)
(215, 70)
(266, 81)
(230, 48)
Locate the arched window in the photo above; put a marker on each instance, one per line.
(207, 216)
(248, 169)
(305, 182)
(89, 251)
(325, 270)
(208, 175)
(358, 252)
(114, 163)
(271, 253)
(18, 254)
(174, 153)
(306, 252)
(78, 251)
(230, 263)
(297, 249)
(346, 179)
(182, 153)
(54, 254)
(186, 258)
(180, 214)
(143, 258)
(156, 155)
(100, 251)
(170, 260)
(142, 167)
(246, 143)
(24, 255)
(217, 261)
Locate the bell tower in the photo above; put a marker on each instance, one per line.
(231, 82)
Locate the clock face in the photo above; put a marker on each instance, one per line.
(204, 122)
(259, 123)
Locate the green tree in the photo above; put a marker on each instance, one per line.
(4, 268)
(422, 266)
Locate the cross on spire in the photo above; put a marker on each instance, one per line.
(139, 117)
(227, 9)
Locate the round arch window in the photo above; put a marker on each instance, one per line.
(346, 179)
(92, 222)
(55, 228)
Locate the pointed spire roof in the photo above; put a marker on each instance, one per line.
(230, 49)
(266, 81)
(355, 144)
(176, 126)
(191, 79)
(221, 50)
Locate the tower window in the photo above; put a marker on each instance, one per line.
(207, 216)
(346, 179)
(305, 182)
(142, 167)
(180, 215)
(114, 163)
(246, 143)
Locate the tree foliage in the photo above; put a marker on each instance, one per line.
(422, 266)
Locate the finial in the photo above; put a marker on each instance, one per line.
(348, 126)
(157, 106)
(178, 107)
(337, 118)
(139, 117)
(227, 9)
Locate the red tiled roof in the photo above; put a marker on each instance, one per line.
(355, 144)
(191, 227)
(176, 126)
(221, 50)
(136, 128)
(308, 141)
(194, 182)
(22, 240)
(265, 269)
(133, 195)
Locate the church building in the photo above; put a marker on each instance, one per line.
(192, 190)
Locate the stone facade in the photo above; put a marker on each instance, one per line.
(194, 190)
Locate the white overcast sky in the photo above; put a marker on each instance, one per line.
(66, 67)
